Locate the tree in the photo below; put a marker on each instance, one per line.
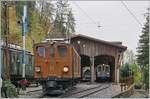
(40, 4)
(129, 57)
(64, 21)
(59, 22)
(70, 26)
(19, 7)
(5, 33)
(125, 71)
(38, 26)
(2, 20)
(136, 73)
(143, 52)
(8, 87)
(46, 12)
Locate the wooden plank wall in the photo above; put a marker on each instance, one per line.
(92, 48)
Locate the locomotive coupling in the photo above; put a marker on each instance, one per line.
(51, 84)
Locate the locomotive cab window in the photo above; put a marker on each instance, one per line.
(103, 68)
(62, 50)
(107, 68)
(41, 51)
(99, 69)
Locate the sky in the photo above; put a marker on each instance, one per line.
(117, 23)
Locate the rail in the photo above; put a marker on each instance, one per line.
(85, 92)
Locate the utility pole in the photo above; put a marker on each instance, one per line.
(6, 33)
(5, 19)
(24, 27)
(6, 71)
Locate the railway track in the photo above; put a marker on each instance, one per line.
(36, 93)
(34, 90)
(74, 92)
(86, 92)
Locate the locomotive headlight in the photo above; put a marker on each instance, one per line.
(37, 69)
(108, 73)
(66, 69)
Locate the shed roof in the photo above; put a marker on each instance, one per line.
(100, 41)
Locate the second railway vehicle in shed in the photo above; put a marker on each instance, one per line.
(57, 66)
(103, 72)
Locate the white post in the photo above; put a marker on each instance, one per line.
(23, 72)
(23, 37)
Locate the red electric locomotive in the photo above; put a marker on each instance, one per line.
(57, 66)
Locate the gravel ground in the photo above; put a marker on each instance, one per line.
(113, 90)
(29, 94)
(82, 86)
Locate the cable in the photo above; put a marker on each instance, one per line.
(84, 12)
(131, 13)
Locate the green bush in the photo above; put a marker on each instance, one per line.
(9, 90)
(138, 85)
(125, 70)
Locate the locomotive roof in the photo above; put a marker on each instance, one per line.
(49, 43)
(115, 44)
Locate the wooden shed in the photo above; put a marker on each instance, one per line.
(95, 51)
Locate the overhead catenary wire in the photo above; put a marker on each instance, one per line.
(132, 14)
(76, 4)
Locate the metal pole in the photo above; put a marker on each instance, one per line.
(23, 37)
(23, 73)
